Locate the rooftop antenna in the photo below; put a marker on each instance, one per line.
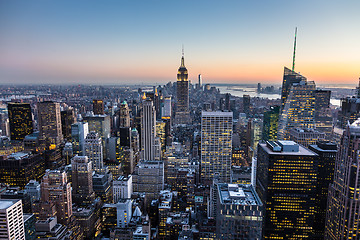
(183, 50)
(293, 65)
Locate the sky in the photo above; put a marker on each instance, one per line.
(140, 42)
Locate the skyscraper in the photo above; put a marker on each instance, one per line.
(67, 118)
(124, 115)
(246, 104)
(270, 127)
(286, 179)
(298, 109)
(342, 216)
(216, 145)
(19, 168)
(148, 130)
(182, 115)
(55, 189)
(11, 220)
(327, 153)
(290, 77)
(239, 212)
(82, 182)
(49, 121)
(20, 120)
(166, 112)
(94, 151)
(98, 107)
(79, 131)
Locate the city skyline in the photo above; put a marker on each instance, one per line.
(140, 42)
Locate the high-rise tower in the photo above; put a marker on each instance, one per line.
(50, 121)
(148, 130)
(20, 119)
(216, 145)
(297, 101)
(94, 151)
(342, 217)
(286, 178)
(182, 115)
(82, 182)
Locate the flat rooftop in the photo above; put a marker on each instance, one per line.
(302, 150)
(4, 204)
(238, 194)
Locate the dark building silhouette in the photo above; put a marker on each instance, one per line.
(286, 180)
(326, 164)
(246, 104)
(19, 168)
(67, 118)
(20, 120)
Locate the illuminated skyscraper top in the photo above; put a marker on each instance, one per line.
(182, 115)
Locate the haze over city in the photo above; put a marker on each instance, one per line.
(139, 42)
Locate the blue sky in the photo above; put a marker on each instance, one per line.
(140, 41)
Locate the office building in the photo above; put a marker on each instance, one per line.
(216, 145)
(82, 182)
(29, 226)
(99, 124)
(20, 120)
(67, 119)
(350, 109)
(148, 178)
(299, 108)
(327, 154)
(182, 114)
(286, 178)
(79, 131)
(124, 115)
(11, 220)
(306, 136)
(123, 210)
(94, 151)
(98, 107)
(33, 190)
(102, 185)
(49, 122)
(166, 110)
(239, 212)
(56, 191)
(17, 169)
(270, 128)
(290, 77)
(148, 130)
(246, 104)
(122, 188)
(342, 221)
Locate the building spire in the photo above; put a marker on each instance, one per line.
(293, 65)
(182, 58)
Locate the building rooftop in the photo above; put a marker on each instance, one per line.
(238, 194)
(18, 155)
(4, 204)
(285, 148)
(217, 113)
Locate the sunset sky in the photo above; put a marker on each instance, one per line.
(125, 42)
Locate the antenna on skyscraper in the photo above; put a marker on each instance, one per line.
(183, 50)
(293, 66)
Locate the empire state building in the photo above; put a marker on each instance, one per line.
(182, 115)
